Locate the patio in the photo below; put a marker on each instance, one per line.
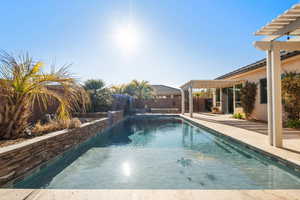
(150, 194)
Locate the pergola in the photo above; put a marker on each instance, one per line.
(207, 84)
(286, 24)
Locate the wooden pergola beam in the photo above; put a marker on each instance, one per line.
(282, 45)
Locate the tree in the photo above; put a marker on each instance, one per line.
(205, 93)
(291, 94)
(101, 99)
(94, 85)
(141, 89)
(248, 96)
(23, 85)
(119, 89)
(137, 89)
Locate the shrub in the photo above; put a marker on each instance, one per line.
(238, 116)
(291, 94)
(55, 125)
(101, 97)
(248, 96)
(291, 123)
(215, 109)
(74, 123)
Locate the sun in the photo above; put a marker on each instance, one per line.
(127, 38)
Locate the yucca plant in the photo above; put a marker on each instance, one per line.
(23, 85)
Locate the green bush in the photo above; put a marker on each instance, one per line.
(291, 123)
(101, 97)
(291, 94)
(248, 96)
(238, 116)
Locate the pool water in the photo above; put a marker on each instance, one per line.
(162, 153)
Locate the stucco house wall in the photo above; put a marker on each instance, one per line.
(260, 110)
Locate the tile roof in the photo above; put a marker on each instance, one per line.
(165, 90)
(256, 65)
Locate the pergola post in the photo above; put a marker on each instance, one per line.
(221, 100)
(191, 101)
(182, 101)
(214, 97)
(233, 88)
(276, 96)
(274, 86)
(269, 92)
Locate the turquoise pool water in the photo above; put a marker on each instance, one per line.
(162, 153)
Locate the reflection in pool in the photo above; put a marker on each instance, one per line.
(162, 153)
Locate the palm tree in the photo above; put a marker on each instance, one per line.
(94, 85)
(101, 99)
(142, 89)
(118, 89)
(23, 85)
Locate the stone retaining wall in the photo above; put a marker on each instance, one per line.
(90, 115)
(115, 116)
(20, 160)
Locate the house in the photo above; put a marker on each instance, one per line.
(164, 92)
(254, 72)
(268, 105)
(165, 99)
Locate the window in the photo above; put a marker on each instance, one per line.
(238, 95)
(218, 94)
(263, 91)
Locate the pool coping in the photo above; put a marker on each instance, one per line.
(46, 194)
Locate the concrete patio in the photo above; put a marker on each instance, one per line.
(150, 194)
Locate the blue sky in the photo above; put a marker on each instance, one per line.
(178, 40)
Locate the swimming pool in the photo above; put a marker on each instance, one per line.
(162, 152)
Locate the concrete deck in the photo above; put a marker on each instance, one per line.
(150, 194)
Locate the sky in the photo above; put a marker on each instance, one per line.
(162, 41)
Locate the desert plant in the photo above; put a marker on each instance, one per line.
(55, 125)
(101, 97)
(248, 96)
(291, 94)
(23, 85)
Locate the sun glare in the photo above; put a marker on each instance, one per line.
(126, 169)
(127, 38)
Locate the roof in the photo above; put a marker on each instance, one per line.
(161, 90)
(210, 84)
(256, 65)
(287, 23)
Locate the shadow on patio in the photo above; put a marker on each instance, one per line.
(258, 127)
(291, 136)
